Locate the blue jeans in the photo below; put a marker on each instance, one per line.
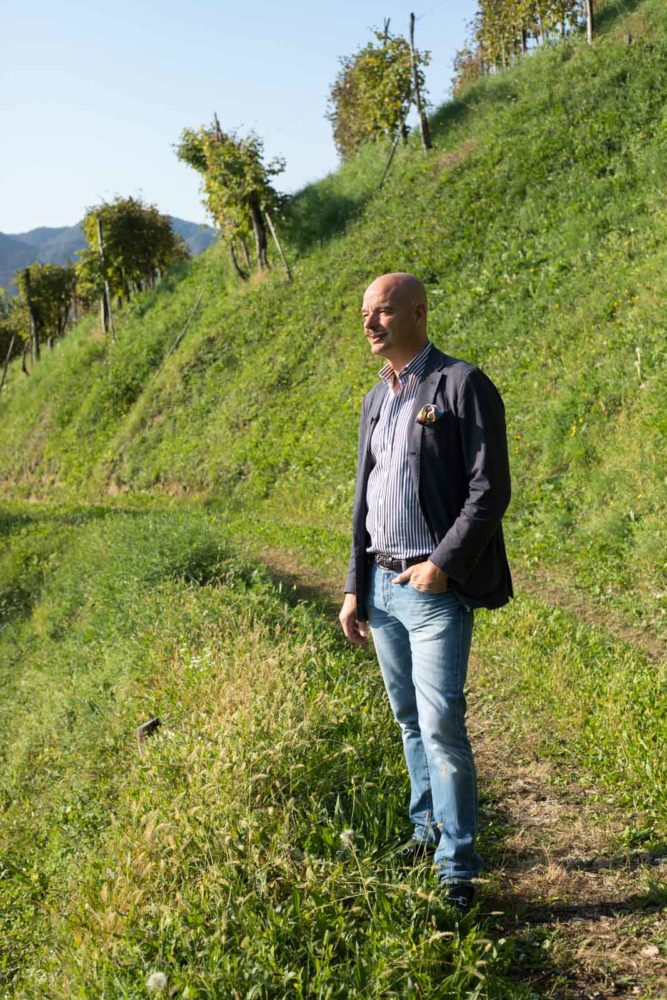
(422, 643)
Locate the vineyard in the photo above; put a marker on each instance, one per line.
(174, 508)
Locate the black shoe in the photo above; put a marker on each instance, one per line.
(460, 895)
(414, 851)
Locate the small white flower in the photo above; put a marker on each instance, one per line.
(156, 982)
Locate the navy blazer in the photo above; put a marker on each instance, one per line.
(460, 469)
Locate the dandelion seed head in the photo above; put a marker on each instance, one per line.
(347, 837)
(156, 982)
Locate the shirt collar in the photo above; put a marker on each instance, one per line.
(415, 366)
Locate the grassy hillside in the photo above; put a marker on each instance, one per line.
(539, 226)
(148, 486)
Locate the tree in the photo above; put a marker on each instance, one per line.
(502, 29)
(47, 293)
(372, 94)
(138, 244)
(14, 330)
(468, 67)
(236, 183)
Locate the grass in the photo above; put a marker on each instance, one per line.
(242, 850)
(149, 487)
(245, 849)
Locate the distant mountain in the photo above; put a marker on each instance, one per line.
(197, 236)
(14, 254)
(59, 245)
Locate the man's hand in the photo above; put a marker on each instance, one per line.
(425, 576)
(355, 631)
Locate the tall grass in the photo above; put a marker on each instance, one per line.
(243, 850)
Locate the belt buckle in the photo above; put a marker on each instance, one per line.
(392, 563)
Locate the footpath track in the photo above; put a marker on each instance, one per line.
(588, 915)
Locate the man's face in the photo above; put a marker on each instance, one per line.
(390, 318)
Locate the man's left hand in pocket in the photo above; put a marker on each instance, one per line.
(424, 576)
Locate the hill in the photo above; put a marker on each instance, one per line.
(538, 229)
(175, 519)
(59, 245)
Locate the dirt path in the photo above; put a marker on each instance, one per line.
(588, 921)
(556, 589)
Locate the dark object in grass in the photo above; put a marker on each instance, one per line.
(148, 728)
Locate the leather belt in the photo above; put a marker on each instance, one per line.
(397, 565)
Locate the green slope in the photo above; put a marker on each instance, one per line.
(538, 224)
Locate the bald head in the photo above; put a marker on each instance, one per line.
(394, 311)
(401, 285)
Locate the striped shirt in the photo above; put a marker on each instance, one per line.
(394, 519)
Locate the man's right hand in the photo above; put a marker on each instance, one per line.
(355, 631)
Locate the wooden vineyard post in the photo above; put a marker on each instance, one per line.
(423, 120)
(588, 8)
(34, 322)
(107, 316)
(6, 364)
(277, 242)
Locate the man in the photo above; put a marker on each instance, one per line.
(432, 485)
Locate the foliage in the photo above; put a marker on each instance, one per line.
(236, 183)
(47, 291)
(502, 31)
(247, 844)
(89, 278)
(14, 326)
(372, 94)
(467, 68)
(139, 247)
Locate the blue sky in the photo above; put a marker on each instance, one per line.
(96, 93)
